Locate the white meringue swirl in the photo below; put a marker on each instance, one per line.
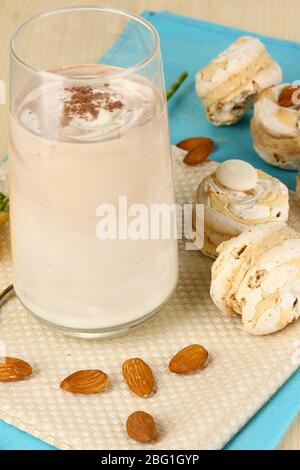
(231, 212)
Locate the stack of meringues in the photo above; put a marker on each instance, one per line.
(257, 273)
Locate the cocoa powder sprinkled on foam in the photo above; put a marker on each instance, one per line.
(86, 103)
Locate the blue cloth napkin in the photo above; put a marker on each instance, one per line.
(188, 44)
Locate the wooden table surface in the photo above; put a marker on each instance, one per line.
(272, 17)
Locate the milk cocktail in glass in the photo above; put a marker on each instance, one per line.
(82, 135)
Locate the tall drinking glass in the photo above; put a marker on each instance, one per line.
(89, 164)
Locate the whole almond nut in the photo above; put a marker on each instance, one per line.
(193, 142)
(188, 359)
(141, 427)
(138, 376)
(85, 381)
(200, 153)
(13, 369)
(289, 96)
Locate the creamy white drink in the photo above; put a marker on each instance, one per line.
(74, 147)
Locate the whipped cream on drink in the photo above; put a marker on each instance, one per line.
(77, 144)
(83, 112)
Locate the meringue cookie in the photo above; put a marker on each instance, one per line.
(276, 130)
(236, 257)
(230, 82)
(227, 212)
(257, 275)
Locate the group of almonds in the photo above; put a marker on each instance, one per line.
(198, 149)
(138, 376)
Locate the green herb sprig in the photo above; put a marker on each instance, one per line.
(3, 201)
(174, 87)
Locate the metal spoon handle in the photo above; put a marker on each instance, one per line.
(3, 294)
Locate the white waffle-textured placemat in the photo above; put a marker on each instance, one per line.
(200, 411)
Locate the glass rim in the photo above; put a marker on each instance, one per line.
(132, 69)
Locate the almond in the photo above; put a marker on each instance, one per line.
(188, 359)
(198, 153)
(193, 142)
(138, 376)
(289, 96)
(85, 381)
(13, 369)
(141, 427)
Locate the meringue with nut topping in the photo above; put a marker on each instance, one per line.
(275, 127)
(229, 212)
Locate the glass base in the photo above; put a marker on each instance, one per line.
(101, 333)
